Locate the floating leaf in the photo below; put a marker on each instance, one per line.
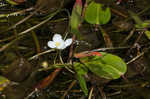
(95, 13)
(107, 66)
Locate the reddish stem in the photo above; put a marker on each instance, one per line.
(48, 80)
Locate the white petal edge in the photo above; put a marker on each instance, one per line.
(68, 42)
(51, 44)
(57, 38)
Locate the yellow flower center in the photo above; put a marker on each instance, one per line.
(57, 44)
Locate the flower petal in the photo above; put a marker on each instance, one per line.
(51, 44)
(68, 42)
(57, 38)
(62, 45)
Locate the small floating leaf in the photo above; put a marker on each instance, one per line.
(95, 13)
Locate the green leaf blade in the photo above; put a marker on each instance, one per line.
(108, 66)
(115, 61)
(81, 71)
(82, 83)
(95, 14)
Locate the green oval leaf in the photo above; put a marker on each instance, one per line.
(107, 66)
(95, 13)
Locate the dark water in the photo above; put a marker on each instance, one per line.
(25, 73)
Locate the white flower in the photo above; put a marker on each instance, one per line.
(58, 42)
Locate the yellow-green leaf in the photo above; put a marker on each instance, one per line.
(108, 66)
(95, 13)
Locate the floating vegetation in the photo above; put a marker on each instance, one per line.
(74, 49)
